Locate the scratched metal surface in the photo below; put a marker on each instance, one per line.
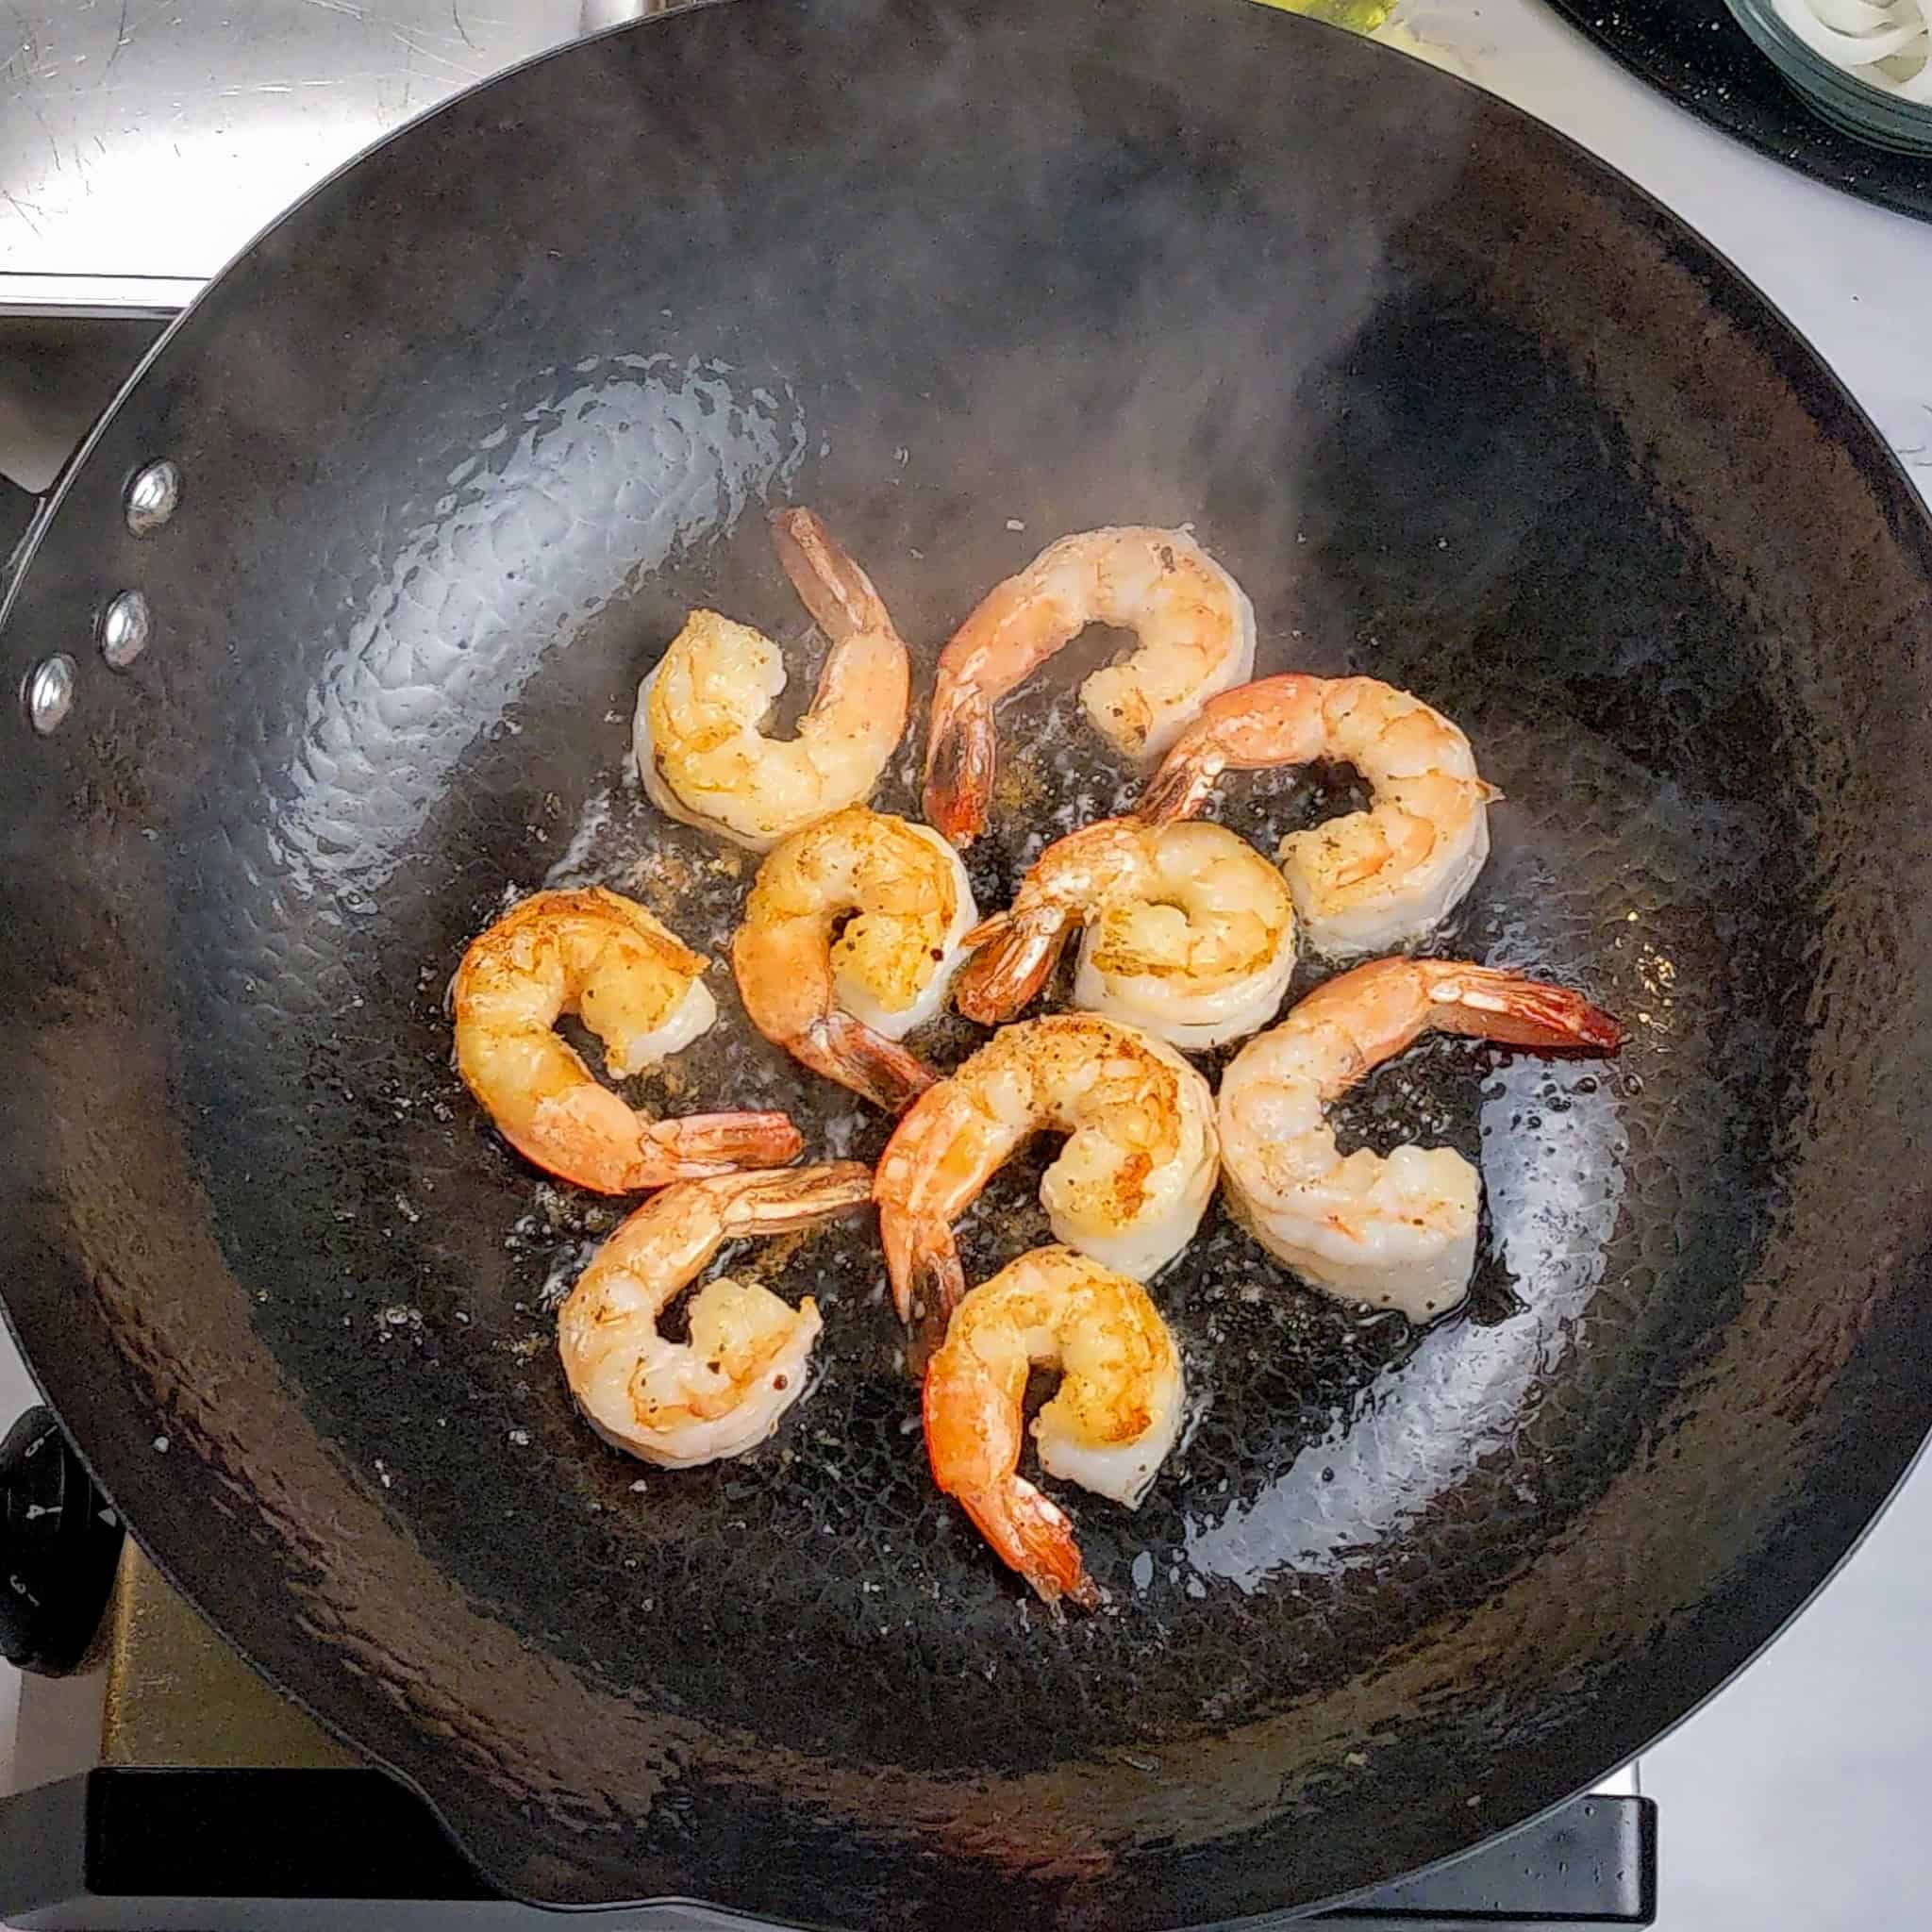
(143, 142)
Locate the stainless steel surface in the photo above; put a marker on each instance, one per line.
(176, 1694)
(56, 1729)
(93, 298)
(50, 693)
(127, 627)
(55, 376)
(143, 142)
(153, 496)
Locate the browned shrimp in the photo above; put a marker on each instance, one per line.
(1189, 932)
(1196, 631)
(701, 750)
(1397, 1230)
(721, 1393)
(636, 987)
(842, 1001)
(1129, 1187)
(1370, 881)
(1108, 1427)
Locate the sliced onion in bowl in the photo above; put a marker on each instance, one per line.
(1884, 44)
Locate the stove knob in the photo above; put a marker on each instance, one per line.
(60, 1541)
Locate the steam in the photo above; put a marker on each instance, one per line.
(1040, 275)
(1062, 276)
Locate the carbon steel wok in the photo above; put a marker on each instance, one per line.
(460, 441)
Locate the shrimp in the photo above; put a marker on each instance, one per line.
(1196, 631)
(1367, 882)
(1128, 1189)
(1395, 1230)
(1108, 1427)
(700, 752)
(840, 1004)
(1189, 932)
(636, 987)
(722, 1392)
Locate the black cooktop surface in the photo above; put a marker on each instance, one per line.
(131, 1848)
(1695, 53)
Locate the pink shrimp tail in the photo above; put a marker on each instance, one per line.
(959, 757)
(1522, 1013)
(928, 1282)
(783, 1199)
(1273, 721)
(1013, 956)
(1182, 783)
(700, 1144)
(829, 583)
(876, 1069)
(1033, 1535)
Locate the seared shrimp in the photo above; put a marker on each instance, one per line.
(1108, 1427)
(840, 1004)
(1189, 932)
(636, 987)
(700, 752)
(1128, 1189)
(1370, 881)
(1395, 1230)
(722, 1392)
(1196, 631)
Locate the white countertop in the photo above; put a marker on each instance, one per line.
(1795, 1800)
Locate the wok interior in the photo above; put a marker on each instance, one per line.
(1386, 1572)
(1346, 1481)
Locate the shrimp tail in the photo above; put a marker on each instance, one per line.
(1033, 1535)
(796, 1197)
(1013, 956)
(876, 1069)
(928, 1281)
(829, 583)
(936, 1287)
(1182, 783)
(959, 764)
(1521, 1012)
(701, 1145)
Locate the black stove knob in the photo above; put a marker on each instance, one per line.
(60, 1541)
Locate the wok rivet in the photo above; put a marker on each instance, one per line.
(152, 497)
(50, 693)
(127, 628)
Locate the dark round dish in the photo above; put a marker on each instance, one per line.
(1696, 51)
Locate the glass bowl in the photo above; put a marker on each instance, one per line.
(1865, 112)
